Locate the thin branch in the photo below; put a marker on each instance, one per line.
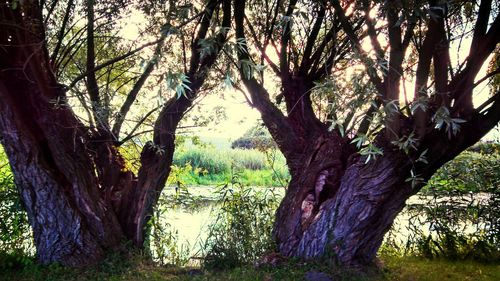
(271, 115)
(353, 38)
(62, 31)
(262, 51)
(132, 95)
(137, 125)
(111, 61)
(311, 40)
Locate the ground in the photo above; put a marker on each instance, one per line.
(137, 268)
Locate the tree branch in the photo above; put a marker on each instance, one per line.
(132, 95)
(274, 119)
(353, 38)
(311, 40)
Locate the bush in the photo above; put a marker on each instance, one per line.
(15, 232)
(451, 224)
(257, 137)
(457, 214)
(241, 232)
(468, 172)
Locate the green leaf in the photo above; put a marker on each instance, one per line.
(207, 47)
(247, 68)
(241, 45)
(228, 82)
(359, 140)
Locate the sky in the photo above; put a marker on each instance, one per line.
(241, 117)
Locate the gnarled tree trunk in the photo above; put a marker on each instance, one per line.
(342, 210)
(339, 204)
(80, 199)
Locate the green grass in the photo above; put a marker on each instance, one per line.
(208, 166)
(220, 161)
(246, 177)
(136, 267)
(413, 268)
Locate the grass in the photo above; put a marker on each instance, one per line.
(215, 161)
(208, 166)
(136, 267)
(413, 268)
(246, 177)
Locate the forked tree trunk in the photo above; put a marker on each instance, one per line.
(338, 206)
(80, 199)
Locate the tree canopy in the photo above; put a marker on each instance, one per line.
(366, 100)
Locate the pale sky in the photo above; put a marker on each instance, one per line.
(241, 117)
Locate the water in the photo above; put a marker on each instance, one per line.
(191, 223)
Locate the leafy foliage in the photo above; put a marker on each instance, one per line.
(257, 137)
(469, 172)
(241, 231)
(16, 243)
(457, 213)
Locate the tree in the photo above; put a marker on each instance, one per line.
(354, 164)
(257, 137)
(80, 198)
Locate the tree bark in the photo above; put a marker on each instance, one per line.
(351, 225)
(339, 206)
(54, 175)
(80, 199)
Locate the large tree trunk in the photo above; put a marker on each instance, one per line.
(339, 206)
(46, 147)
(336, 205)
(55, 177)
(352, 224)
(80, 199)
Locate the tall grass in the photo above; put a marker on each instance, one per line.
(214, 161)
(208, 166)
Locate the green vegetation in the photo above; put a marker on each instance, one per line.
(210, 166)
(474, 170)
(15, 232)
(438, 245)
(257, 137)
(241, 231)
(136, 266)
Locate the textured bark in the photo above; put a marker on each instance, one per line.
(315, 178)
(105, 202)
(70, 223)
(340, 207)
(156, 158)
(337, 205)
(80, 199)
(351, 225)
(54, 174)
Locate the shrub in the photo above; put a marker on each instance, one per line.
(257, 137)
(453, 225)
(15, 231)
(468, 172)
(241, 232)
